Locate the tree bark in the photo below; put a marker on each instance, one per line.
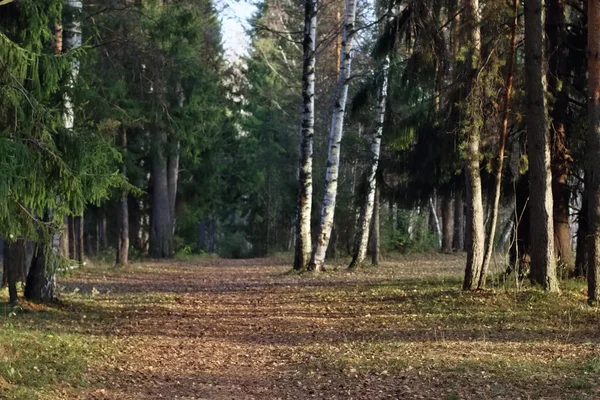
(72, 238)
(593, 146)
(458, 242)
(71, 39)
(489, 251)
(304, 208)
(475, 213)
(335, 139)
(14, 258)
(543, 263)
(161, 235)
(366, 212)
(79, 231)
(447, 222)
(582, 254)
(557, 78)
(41, 277)
(123, 217)
(375, 231)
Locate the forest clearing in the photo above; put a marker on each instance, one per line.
(249, 329)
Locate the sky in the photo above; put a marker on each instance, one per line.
(234, 15)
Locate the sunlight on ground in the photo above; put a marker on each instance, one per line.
(246, 329)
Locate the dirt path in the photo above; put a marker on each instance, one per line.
(247, 330)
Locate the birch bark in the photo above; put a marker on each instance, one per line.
(366, 212)
(304, 207)
(335, 138)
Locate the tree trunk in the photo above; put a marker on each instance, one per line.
(79, 231)
(581, 256)
(447, 222)
(14, 258)
(71, 39)
(458, 242)
(489, 251)
(335, 139)
(543, 263)
(366, 212)
(434, 220)
(41, 277)
(102, 234)
(202, 235)
(72, 238)
(64, 239)
(475, 217)
(594, 150)
(375, 233)
(161, 235)
(123, 217)
(304, 208)
(557, 78)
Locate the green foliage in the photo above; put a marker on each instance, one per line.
(48, 172)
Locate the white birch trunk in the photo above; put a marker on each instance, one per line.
(303, 238)
(366, 212)
(335, 138)
(436, 220)
(71, 40)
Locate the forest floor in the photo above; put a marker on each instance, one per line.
(250, 329)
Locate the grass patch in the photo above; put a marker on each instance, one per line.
(40, 357)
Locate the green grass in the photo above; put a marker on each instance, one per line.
(39, 357)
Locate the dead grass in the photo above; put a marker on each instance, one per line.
(246, 329)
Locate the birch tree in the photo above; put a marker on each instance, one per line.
(335, 138)
(366, 212)
(304, 207)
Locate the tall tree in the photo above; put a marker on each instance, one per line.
(557, 77)
(305, 182)
(335, 138)
(543, 262)
(594, 150)
(366, 211)
(489, 251)
(475, 217)
(123, 215)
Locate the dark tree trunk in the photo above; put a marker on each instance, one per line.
(104, 233)
(458, 242)
(593, 148)
(447, 222)
(40, 280)
(581, 257)
(520, 251)
(161, 234)
(202, 235)
(71, 241)
(15, 256)
(123, 215)
(543, 263)
(557, 77)
(123, 242)
(80, 238)
(212, 231)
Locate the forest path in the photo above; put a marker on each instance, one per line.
(248, 329)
